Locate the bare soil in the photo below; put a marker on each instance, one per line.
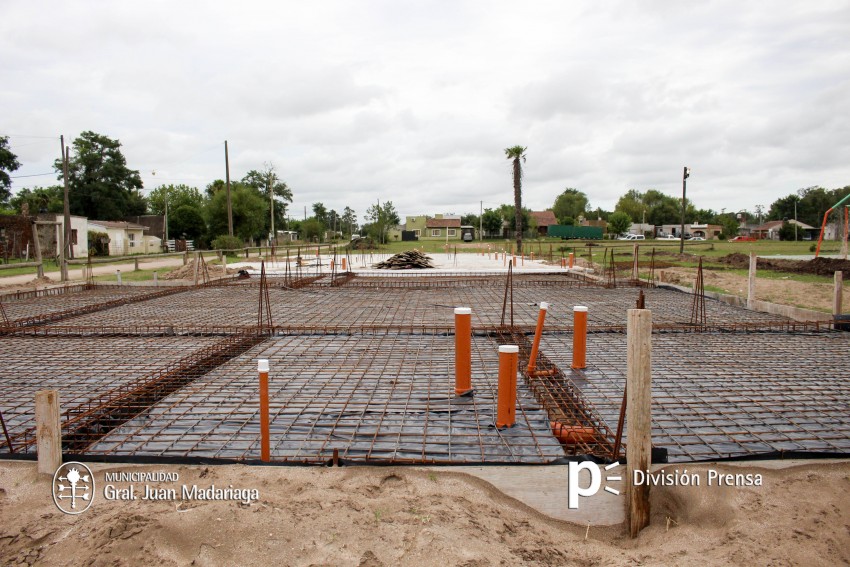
(372, 516)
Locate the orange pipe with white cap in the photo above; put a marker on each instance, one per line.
(463, 351)
(506, 409)
(579, 337)
(263, 369)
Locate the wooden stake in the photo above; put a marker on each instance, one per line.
(48, 431)
(37, 245)
(751, 284)
(839, 287)
(638, 414)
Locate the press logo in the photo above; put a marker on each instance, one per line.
(73, 488)
(574, 490)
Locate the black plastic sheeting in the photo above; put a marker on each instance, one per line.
(373, 399)
(727, 395)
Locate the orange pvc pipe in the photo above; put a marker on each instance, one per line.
(463, 351)
(513, 259)
(579, 337)
(506, 409)
(572, 434)
(343, 265)
(572, 260)
(332, 264)
(265, 449)
(541, 317)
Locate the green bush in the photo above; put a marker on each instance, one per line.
(226, 242)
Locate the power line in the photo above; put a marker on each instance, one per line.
(32, 175)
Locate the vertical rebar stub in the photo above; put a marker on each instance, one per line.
(463, 311)
(263, 365)
(544, 306)
(509, 349)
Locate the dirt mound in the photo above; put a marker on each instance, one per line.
(816, 266)
(187, 272)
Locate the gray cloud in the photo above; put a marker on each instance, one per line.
(415, 102)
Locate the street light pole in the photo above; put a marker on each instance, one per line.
(685, 175)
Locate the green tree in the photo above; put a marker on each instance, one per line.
(176, 196)
(729, 223)
(619, 223)
(492, 222)
(8, 163)
(39, 199)
(383, 218)
(515, 154)
(312, 229)
(349, 221)
(632, 204)
(267, 180)
(101, 186)
(786, 231)
(250, 212)
(320, 212)
(186, 221)
(571, 203)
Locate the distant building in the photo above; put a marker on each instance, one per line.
(770, 230)
(126, 237)
(438, 227)
(543, 220)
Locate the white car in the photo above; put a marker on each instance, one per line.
(697, 239)
(668, 237)
(632, 237)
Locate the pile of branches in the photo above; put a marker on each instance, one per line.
(410, 260)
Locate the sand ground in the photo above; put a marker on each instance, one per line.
(370, 516)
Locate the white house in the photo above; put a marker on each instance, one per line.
(50, 235)
(124, 237)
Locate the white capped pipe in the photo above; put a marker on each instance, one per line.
(463, 311)
(544, 306)
(579, 308)
(263, 365)
(509, 349)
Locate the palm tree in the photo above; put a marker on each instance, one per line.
(517, 153)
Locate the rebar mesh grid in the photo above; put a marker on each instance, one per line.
(84, 370)
(322, 308)
(33, 309)
(385, 399)
(726, 395)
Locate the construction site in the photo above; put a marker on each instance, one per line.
(362, 367)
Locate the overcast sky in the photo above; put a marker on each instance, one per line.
(414, 102)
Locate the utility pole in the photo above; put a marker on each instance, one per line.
(67, 206)
(271, 203)
(229, 205)
(685, 176)
(481, 221)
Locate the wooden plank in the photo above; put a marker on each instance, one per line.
(638, 414)
(48, 431)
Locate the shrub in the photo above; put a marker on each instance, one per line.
(226, 242)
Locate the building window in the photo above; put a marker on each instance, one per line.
(435, 232)
(452, 232)
(73, 236)
(412, 219)
(132, 237)
(417, 232)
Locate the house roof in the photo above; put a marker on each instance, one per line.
(544, 218)
(118, 224)
(770, 225)
(442, 223)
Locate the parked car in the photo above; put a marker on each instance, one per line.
(697, 239)
(743, 239)
(668, 237)
(632, 237)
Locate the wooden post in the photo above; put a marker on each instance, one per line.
(185, 257)
(48, 431)
(118, 276)
(37, 244)
(638, 414)
(751, 284)
(197, 268)
(635, 263)
(135, 264)
(839, 287)
(63, 263)
(155, 279)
